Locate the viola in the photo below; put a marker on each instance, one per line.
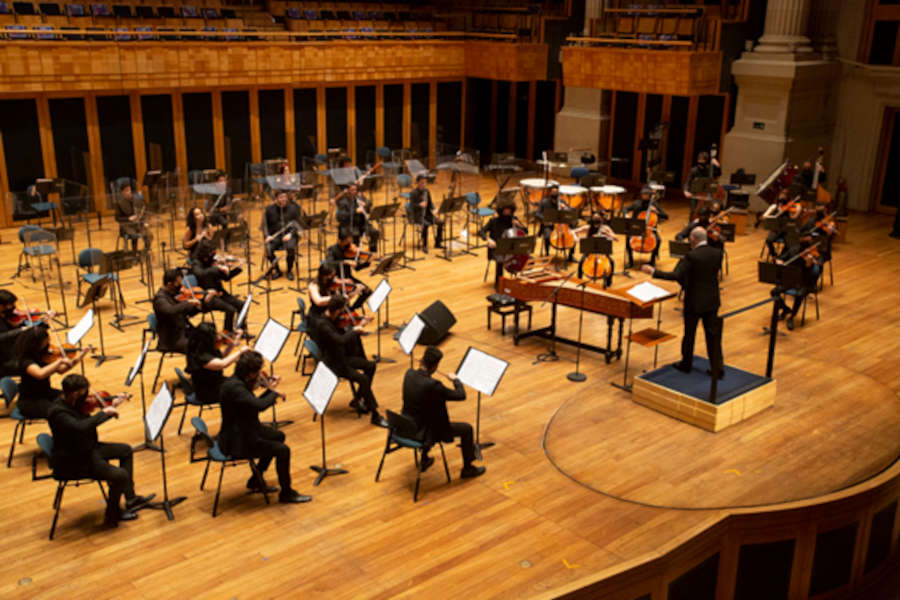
(19, 317)
(353, 252)
(811, 256)
(95, 400)
(344, 287)
(224, 339)
(186, 294)
(827, 225)
(349, 319)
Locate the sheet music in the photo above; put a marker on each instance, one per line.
(379, 295)
(481, 371)
(645, 292)
(239, 323)
(271, 339)
(320, 387)
(410, 334)
(74, 335)
(158, 412)
(138, 364)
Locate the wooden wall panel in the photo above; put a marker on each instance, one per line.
(48, 152)
(679, 73)
(96, 175)
(137, 137)
(508, 62)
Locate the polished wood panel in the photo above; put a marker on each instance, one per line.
(680, 73)
(218, 130)
(522, 530)
(509, 62)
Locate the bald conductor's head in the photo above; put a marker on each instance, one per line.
(698, 236)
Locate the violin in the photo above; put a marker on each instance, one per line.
(647, 242)
(713, 231)
(58, 351)
(19, 317)
(349, 319)
(827, 225)
(792, 207)
(269, 382)
(354, 252)
(226, 339)
(95, 400)
(188, 293)
(344, 287)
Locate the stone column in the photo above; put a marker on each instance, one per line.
(786, 27)
(583, 122)
(823, 27)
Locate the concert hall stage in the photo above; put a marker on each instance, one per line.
(685, 396)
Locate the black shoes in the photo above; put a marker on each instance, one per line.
(378, 420)
(112, 518)
(137, 502)
(293, 497)
(427, 461)
(682, 367)
(356, 405)
(790, 323)
(290, 275)
(258, 484)
(471, 471)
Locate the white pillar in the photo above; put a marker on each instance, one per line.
(786, 27)
(592, 11)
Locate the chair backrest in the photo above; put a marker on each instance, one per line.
(301, 306)
(384, 153)
(473, 198)
(312, 348)
(45, 443)
(152, 322)
(90, 257)
(402, 425)
(187, 385)
(404, 180)
(26, 229)
(38, 236)
(10, 390)
(578, 172)
(201, 428)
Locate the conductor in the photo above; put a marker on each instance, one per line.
(698, 274)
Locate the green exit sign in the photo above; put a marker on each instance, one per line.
(759, 125)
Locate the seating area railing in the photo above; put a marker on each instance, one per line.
(654, 28)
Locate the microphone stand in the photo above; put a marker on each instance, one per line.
(552, 356)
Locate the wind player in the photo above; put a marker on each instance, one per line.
(130, 213)
(705, 168)
(698, 273)
(353, 215)
(494, 230)
(337, 256)
(423, 213)
(279, 215)
(425, 401)
(242, 434)
(220, 207)
(78, 453)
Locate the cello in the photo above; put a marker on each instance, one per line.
(562, 237)
(646, 243)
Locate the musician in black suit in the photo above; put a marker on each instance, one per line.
(807, 175)
(210, 276)
(334, 344)
(425, 401)
(77, 453)
(422, 213)
(352, 215)
(494, 230)
(243, 436)
(221, 208)
(705, 168)
(337, 257)
(698, 274)
(130, 215)
(811, 267)
(282, 218)
(172, 325)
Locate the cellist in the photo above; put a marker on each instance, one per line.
(642, 208)
(597, 265)
(495, 229)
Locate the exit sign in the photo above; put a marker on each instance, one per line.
(759, 125)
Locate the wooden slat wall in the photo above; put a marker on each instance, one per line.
(218, 130)
(96, 175)
(290, 134)
(255, 143)
(180, 137)
(48, 152)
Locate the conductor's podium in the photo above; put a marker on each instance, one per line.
(684, 396)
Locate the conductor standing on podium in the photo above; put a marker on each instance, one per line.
(698, 274)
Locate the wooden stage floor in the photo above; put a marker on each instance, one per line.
(528, 526)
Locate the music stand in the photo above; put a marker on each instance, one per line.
(481, 372)
(269, 344)
(318, 392)
(408, 336)
(508, 248)
(382, 213)
(783, 277)
(449, 207)
(384, 267)
(111, 263)
(309, 223)
(678, 249)
(138, 370)
(154, 421)
(378, 297)
(726, 231)
(93, 293)
(588, 246)
(629, 227)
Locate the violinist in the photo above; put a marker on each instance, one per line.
(327, 284)
(12, 323)
(210, 275)
(422, 212)
(36, 365)
(198, 229)
(705, 220)
(333, 343)
(130, 214)
(342, 257)
(220, 208)
(242, 435)
(803, 254)
(172, 313)
(353, 215)
(77, 453)
(782, 210)
(644, 205)
(705, 167)
(281, 221)
(494, 230)
(822, 228)
(206, 363)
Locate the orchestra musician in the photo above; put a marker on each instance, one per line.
(704, 168)
(282, 217)
(172, 314)
(78, 453)
(353, 215)
(206, 362)
(425, 401)
(550, 200)
(698, 274)
(36, 365)
(822, 229)
(341, 257)
(198, 229)
(327, 284)
(503, 224)
(810, 265)
(11, 327)
(704, 220)
(210, 274)
(807, 174)
(644, 204)
(333, 344)
(220, 208)
(597, 226)
(130, 214)
(423, 213)
(242, 435)
(779, 210)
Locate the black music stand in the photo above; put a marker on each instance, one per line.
(449, 207)
(93, 293)
(384, 267)
(318, 392)
(112, 263)
(510, 247)
(591, 245)
(783, 277)
(482, 372)
(154, 421)
(678, 249)
(309, 223)
(269, 343)
(629, 227)
(381, 294)
(380, 214)
(138, 370)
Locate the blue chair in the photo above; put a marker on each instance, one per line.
(402, 433)
(87, 260)
(214, 454)
(404, 181)
(10, 390)
(300, 312)
(386, 157)
(190, 397)
(45, 443)
(34, 245)
(814, 292)
(473, 199)
(578, 172)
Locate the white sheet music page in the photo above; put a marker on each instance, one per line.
(74, 335)
(481, 371)
(645, 292)
(410, 334)
(242, 316)
(379, 295)
(138, 363)
(158, 412)
(320, 387)
(271, 339)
